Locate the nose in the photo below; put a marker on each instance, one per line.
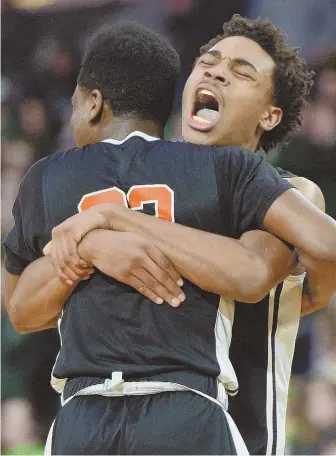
(218, 73)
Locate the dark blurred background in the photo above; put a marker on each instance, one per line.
(42, 45)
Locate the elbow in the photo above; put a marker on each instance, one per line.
(16, 317)
(252, 295)
(255, 285)
(250, 287)
(22, 330)
(19, 324)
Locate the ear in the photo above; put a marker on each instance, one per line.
(270, 118)
(96, 105)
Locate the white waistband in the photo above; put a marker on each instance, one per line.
(116, 387)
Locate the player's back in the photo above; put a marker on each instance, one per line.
(107, 326)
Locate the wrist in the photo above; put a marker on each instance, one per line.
(86, 248)
(107, 214)
(115, 216)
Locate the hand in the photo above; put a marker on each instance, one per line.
(80, 272)
(65, 239)
(321, 287)
(135, 261)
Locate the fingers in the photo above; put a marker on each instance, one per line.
(144, 290)
(165, 264)
(161, 290)
(47, 249)
(68, 264)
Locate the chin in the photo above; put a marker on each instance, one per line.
(196, 137)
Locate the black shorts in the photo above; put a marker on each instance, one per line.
(165, 423)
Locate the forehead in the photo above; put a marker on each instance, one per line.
(80, 94)
(247, 49)
(76, 93)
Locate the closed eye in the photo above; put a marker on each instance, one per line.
(205, 62)
(243, 74)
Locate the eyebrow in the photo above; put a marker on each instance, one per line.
(238, 60)
(241, 61)
(214, 53)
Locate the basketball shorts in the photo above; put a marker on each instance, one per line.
(178, 422)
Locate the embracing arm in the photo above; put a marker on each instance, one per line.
(315, 237)
(298, 221)
(244, 269)
(35, 298)
(319, 284)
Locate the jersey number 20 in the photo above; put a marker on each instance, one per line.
(138, 195)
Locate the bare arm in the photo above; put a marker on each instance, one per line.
(240, 269)
(206, 260)
(319, 284)
(295, 219)
(222, 265)
(35, 299)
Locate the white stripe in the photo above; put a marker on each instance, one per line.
(285, 337)
(116, 387)
(284, 345)
(238, 441)
(269, 385)
(48, 445)
(134, 133)
(58, 383)
(223, 335)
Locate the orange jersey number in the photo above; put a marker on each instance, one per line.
(138, 195)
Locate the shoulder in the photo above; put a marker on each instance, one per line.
(309, 190)
(34, 175)
(238, 156)
(284, 173)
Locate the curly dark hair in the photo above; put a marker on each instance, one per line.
(134, 68)
(292, 79)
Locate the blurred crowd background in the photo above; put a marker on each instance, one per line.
(42, 44)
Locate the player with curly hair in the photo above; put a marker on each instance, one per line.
(263, 84)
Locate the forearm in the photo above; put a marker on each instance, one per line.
(215, 263)
(38, 298)
(293, 218)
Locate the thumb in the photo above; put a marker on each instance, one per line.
(47, 249)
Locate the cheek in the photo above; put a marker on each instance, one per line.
(188, 91)
(76, 127)
(248, 106)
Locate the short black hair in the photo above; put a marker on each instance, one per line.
(292, 79)
(134, 68)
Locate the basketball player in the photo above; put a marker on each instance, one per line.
(263, 350)
(100, 114)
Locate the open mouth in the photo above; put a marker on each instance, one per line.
(205, 113)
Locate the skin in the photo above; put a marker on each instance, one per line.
(244, 93)
(246, 100)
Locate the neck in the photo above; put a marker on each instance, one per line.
(120, 128)
(251, 145)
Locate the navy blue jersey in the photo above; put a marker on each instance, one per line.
(106, 325)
